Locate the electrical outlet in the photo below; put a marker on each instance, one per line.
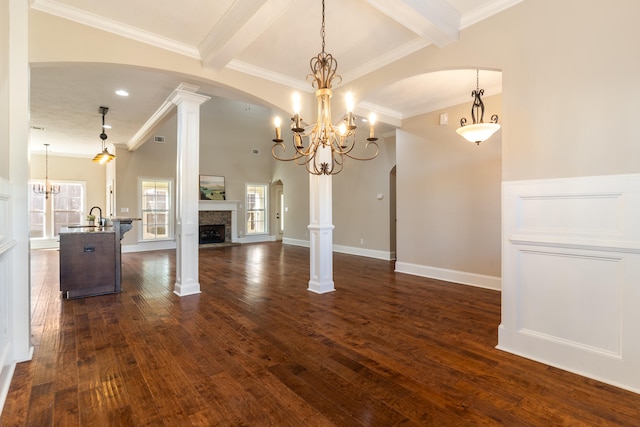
(124, 210)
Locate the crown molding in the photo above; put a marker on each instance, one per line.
(271, 76)
(385, 114)
(60, 10)
(388, 58)
(486, 11)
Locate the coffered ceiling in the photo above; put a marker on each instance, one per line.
(272, 39)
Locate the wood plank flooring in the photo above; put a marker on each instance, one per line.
(255, 348)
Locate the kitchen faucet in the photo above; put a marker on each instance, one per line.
(100, 217)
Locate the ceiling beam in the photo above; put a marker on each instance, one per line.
(243, 22)
(434, 20)
(158, 118)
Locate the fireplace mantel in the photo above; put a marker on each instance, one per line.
(223, 205)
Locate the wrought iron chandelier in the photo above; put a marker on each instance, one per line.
(104, 156)
(47, 188)
(328, 145)
(478, 131)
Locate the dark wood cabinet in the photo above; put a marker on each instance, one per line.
(88, 264)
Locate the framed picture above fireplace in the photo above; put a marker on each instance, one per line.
(212, 187)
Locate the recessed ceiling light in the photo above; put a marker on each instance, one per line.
(122, 92)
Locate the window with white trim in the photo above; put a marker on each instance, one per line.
(48, 215)
(156, 207)
(256, 208)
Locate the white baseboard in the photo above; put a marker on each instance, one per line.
(44, 243)
(462, 277)
(369, 253)
(257, 238)
(6, 374)
(149, 246)
(295, 242)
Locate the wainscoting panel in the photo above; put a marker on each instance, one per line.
(7, 244)
(575, 299)
(571, 275)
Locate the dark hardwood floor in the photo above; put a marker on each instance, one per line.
(255, 348)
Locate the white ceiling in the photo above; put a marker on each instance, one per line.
(273, 39)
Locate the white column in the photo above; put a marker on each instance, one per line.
(187, 197)
(15, 135)
(321, 230)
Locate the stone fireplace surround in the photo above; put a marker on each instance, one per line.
(212, 212)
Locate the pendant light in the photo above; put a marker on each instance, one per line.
(478, 131)
(104, 156)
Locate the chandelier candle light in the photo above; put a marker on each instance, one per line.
(104, 156)
(328, 145)
(478, 131)
(47, 188)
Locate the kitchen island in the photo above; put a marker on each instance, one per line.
(90, 258)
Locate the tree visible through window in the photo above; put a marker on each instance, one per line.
(256, 208)
(156, 209)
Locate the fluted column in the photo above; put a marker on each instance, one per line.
(321, 229)
(187, 197)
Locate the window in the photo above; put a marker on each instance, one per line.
(68, 206)
(156, 207)
(256, 208)
(37, 213)
(59, 210)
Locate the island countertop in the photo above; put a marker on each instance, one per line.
(82, 229)
(125, 225)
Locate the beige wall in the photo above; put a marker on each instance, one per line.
(448, 197)
(570, 91)
(357, 211)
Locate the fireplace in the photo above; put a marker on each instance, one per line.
(211, 233)
(220, 212)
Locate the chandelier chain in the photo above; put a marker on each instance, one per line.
(322, 28)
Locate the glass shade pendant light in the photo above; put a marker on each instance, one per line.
(104, 156)
(478, 131)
